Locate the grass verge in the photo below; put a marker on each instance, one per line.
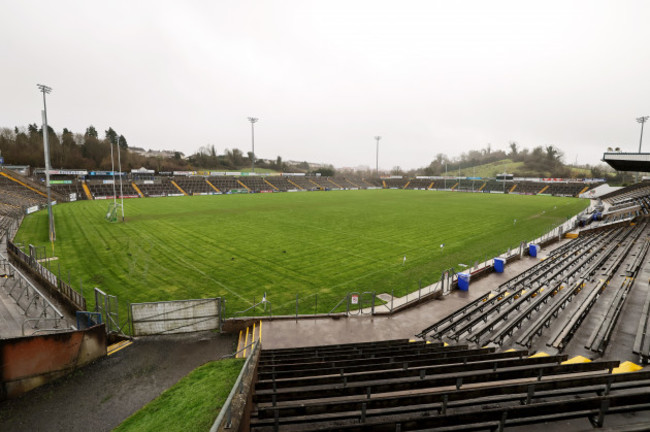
(192, 404)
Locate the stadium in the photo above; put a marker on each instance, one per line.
(347, 303)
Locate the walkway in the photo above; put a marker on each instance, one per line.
(330, 330)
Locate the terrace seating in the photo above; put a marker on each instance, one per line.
(390, 385)
(306, 183)
(540, 295)
(320, 182)
(193, 185)
(225, 183)
(642, 339)
(565, 189)
(496, 186)
(419, 184)
(622, 194)
(16, 197)
(466, 185)
(335, 183)
(530, 188)
(70, 188)
(347, 184)
(256, 183)
(392, 183)
(281, 183)
(100, 190)
(369, 182)
(160, 187)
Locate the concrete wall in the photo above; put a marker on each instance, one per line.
(29, 362)
(180, 316)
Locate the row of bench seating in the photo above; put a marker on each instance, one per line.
(521, 308)
(15, 198)
(402, 385)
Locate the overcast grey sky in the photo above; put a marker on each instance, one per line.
(325, 77)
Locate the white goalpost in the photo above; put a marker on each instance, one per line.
(114, 208)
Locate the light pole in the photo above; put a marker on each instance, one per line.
(641, 120)
(253, 120)
(45, 90)
(377, 156)
(445, 176)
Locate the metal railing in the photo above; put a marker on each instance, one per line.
(256, 305)
(50, 278)
(224, 419)
(37, 307)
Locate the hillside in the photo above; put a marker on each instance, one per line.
(517, 168)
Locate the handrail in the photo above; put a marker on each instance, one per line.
(32, 286)
(39, 319)
(66, 290)
(254, 306)
(238, 388)
(237, 352)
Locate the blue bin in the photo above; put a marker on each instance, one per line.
(499, 265)
(533, 249)
(463, 281)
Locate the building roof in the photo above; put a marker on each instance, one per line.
(628, 161)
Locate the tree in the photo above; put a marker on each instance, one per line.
(235, 158)
(552, 153)
(326, 171)
(111, 135)
(91, 131)
(121, 141)
(279, 164)
(514, 151)
(32, 129)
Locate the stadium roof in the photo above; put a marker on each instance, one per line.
(628, 161)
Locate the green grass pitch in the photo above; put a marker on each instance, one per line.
(318, 245)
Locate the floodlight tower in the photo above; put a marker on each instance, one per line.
(377, 155)
(641, 120)
(253, 120)
(46, 90)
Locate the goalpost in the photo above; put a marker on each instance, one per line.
(114, 207)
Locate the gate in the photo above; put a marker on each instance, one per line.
(180, 316)
(447, 279)
(107, 306)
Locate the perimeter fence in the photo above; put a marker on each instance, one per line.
(317, 302)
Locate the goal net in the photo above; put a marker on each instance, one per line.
(111, 213)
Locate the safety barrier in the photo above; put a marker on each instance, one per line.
(75, 300)
(238, 401)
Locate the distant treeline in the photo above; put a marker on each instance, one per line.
(24, 146)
